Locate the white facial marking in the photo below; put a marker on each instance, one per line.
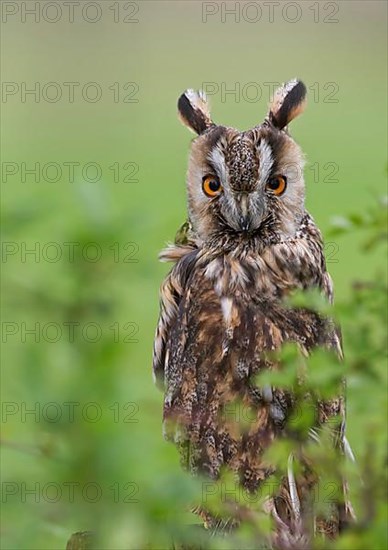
(266, 160)
(218, 160)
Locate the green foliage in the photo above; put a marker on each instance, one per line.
(363, 318)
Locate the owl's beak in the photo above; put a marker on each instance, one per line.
(250, 212)
(244, 219)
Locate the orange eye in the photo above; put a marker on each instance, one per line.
(277, 184)
(211, 186)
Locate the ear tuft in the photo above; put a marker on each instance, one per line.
(288, 102)
(193, 109)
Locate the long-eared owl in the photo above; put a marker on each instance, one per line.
(248, 244)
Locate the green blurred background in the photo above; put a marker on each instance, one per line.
(169, 48)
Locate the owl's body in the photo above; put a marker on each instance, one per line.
(250, 243)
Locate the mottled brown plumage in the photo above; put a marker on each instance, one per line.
(245, 248)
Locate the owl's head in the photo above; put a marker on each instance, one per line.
(249, 183)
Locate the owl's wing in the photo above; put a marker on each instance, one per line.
(171, 293)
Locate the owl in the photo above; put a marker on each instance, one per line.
(248, 244)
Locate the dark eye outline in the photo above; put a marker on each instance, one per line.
(210, 192)
(280, 186)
